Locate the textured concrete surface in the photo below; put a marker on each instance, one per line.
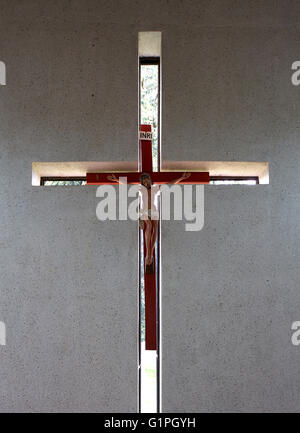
(68, 291)
(231, 291)
(68, 299)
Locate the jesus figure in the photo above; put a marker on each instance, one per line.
(149, 214)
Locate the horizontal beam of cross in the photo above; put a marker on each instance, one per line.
(157, 177)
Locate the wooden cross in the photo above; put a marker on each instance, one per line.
(160, 177)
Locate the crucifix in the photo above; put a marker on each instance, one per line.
(158, 178)
(201, 172)
(145, 165)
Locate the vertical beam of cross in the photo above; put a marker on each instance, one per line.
(151, 329)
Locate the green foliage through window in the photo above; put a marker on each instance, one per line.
(149, 104)
(57, 182)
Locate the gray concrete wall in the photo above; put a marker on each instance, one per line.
(68, 299)
(68, 291)
(68, 286)
(231, 291)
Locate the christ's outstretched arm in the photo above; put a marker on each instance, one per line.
(114, 178)
(179, 179)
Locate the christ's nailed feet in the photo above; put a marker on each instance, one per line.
(150, 268)
(149, 259)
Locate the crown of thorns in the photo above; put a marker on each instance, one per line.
(145, 176)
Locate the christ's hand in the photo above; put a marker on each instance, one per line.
(112, 177)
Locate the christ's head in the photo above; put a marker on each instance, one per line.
(145, 180)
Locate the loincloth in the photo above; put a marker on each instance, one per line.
(151, 214)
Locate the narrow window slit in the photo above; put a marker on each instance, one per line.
(149, 386)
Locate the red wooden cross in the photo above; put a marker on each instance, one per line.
(145, 166)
